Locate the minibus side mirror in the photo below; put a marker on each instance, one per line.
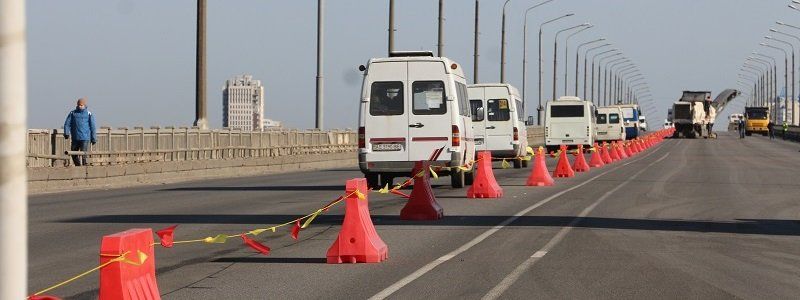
(362, 68)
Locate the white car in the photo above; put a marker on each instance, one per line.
(642, 123)
(414, 107)
(498, 121)
(609, 124)
(569, 121)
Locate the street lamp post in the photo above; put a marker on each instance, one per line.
(586, 64)
(785, 76)
(599, 74)
(566, 58)
(200, 68)
(774, 99)
(614, 81)
(555, 55)
(320, 44)
(760, 76)
(577, 62)
(475, 47)
(525, 54)
(794, 80)
(541, 73)
(606, 81)
(767, 78)
(503, 45)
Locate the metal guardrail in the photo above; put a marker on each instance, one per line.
(48, 148)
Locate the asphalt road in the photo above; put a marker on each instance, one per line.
(685, 219)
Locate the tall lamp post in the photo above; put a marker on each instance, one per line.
(768, 86)
(586, 64)
(606, 79)
(758, 79)
(541, 73)
(566, 58)
(774, 98)
(794, 80)
(320, 45)
(503, 44)
(596, 96)
(200, 68)
(613, 82)
(555, 54)
(785, 76)
(525, 53)
(789, 108)
(761, 80)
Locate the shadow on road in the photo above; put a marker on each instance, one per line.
(261, 188)
(740, 226)
(273, 260)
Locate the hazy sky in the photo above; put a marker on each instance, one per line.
(134, 59)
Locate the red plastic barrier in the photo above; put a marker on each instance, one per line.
(621, 151)
(628, 151)
(135, 278)
(485, 185)
(422, 204)
(596, 160)
(358, 242)
(580, 164)
(539, 174)
(563, 169)
(607, 158)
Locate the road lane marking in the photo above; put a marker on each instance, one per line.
(512, 277)
(430, 266)
(539, 254)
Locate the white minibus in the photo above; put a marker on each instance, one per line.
(609, 124)
(569, 121)
(498, 121)
(414, 107)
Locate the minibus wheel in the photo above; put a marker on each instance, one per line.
(469, 178)
(517, 164)
(524, 163)
(387, 179)
(372, 180)
(457, 179)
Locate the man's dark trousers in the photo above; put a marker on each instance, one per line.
(80, 160)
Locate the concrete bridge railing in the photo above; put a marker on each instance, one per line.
(48, 148)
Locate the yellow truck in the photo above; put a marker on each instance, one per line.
(756, 120)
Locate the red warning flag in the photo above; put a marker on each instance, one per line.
(296, 229)
(263, 249)
(166, 235)
(399, 193)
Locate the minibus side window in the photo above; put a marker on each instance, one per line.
(602, 119)
(520, 112)
(497, 110)
(474, 106)
(386, 98)
(428, 98)
(613, 118)
(464, 110)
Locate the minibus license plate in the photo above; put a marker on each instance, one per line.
(387, 147)
(567, 141)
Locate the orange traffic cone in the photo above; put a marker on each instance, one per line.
(358, 242)
(485, 185)
(422, 204)
(607, 159)
(596, 161)
(627, 148)
(539, 174)
(621, 151)
(580, 164)
(563, 169)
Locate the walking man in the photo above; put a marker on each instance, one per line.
(741, 128)
(80, 125)
(771, 130)
(785, 129)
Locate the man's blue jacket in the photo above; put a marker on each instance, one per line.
(80, 124)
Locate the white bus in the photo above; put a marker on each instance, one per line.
(414, 107)
(498, 121)
(569, 121)
(609, 124)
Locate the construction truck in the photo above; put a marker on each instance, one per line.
(694, 113)
(756, 120)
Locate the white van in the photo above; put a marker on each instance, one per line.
(642, 123)
(569, 121)
(498, 121)
(609, 124)
(414, 107)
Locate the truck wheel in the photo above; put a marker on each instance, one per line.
(469, 178)
(372, 180)
(517, 164)
(457, 179)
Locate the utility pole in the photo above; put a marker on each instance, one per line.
(440, 46)
(391, 27)
(320, 44)
(13, 173)
(475, 50)
(200, 119)
(503, 45)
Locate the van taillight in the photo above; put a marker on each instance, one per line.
(456, 136)
(362, 143)
(516, 134)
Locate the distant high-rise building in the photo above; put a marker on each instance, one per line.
(243, 103)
